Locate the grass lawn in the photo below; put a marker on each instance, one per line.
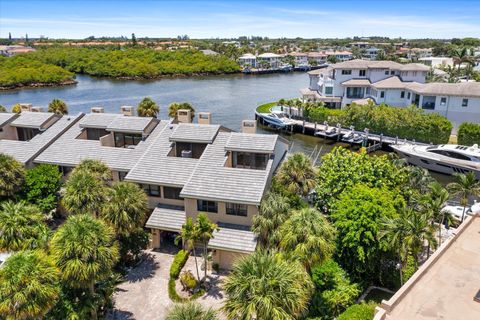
(265, 108)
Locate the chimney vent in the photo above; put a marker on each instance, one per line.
(204, 118)
(25, 106)
(184, 116)
(36, 109)
(249, 126)
(127, 111)
(97, 110)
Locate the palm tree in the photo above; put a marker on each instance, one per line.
(147, 108)
(297, 174)
(12, 176)
(125, 208)
(84, 250)
(58, 106)
(264, 286)
(22, 227)
(96, 167)
(189, 235)
(461, 56)
(434, 203)
(273, 213)
(2, 108)
(84, 193)
(28, 286)
(465, 186)
(190, 311)
(174, 107)
(205, 230)
(409, 231)
(308, 237)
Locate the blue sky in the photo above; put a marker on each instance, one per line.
(225, 19)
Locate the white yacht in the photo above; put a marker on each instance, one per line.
(277, 119)
(444, 158)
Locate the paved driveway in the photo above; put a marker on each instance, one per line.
(144, 294)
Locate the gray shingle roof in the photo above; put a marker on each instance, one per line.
(24, 151)
(69, 151)
(156, 167)
(233, 240)
(213, 181)
(98, 120)
(189, 132)
(6, 117)
(261, 143)
(166, 219)
(32, 119)
(129, 124)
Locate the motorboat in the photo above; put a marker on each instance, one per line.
(329, 132)
(277, 119)
(444, 158)
(352, 137)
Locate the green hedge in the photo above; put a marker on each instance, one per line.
(363, 311)
(469, 134)
(172, 292)
(178, 262)
(265, 108)
(410, 123)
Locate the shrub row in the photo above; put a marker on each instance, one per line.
(469, 134)
(178, 262)
(409, 123)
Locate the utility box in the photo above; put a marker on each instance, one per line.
(184, 116)
(204, 118)
(97, 110)
(249, 126)
(127, 111)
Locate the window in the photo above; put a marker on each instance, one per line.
(328, 90)
(26, 134)
(151, 190)
(382, 94)
(172, 193)
(362, 73)
(402, 94)
(465, 103)
(207, 206)
(386, 72)
(346, 71)
(414, 73)
(408, 95)
(95, 134)
(392, 72)
(443, 101)
(250, 160)
(123, 140)
(122, 175)
(236, 209)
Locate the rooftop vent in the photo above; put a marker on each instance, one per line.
(204, 118)
(127, 111)
(97, 110)
(249, 126)
(37, 109)
(184, 116)
(25, 106)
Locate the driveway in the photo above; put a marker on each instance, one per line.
(144, 294)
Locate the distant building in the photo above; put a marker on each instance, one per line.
(272, 59)
(371, 53)
(446, 286)
(394, 84)
(301, 58)
(436, 62)
(209, 52)
(248, 60)
(236, 44)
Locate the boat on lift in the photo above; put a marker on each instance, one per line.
(443, 158)
(277, 119)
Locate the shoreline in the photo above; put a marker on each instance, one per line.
(38, 85)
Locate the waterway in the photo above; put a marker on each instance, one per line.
(230, 98)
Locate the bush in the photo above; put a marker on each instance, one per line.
(172, 292)
(178, 262)
(42, 184)
(469, 134)
(363, 311)
(188, 281)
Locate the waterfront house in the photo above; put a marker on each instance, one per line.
(248, 60)
(269, 59)
(301, 58)
(25, 135)
(184, 168)
(318, 58)
(394, 84)
(446, 286)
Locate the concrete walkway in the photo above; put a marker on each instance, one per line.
(144, 294)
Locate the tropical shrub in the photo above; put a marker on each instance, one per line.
(178, 262)
(58, 106)
(357, 217)
(42, 184)
(190, 311)
(363, 311)
(147, 108)
(333, 290)
(468, 134)
(12, 176)
(188, 281)
(174, 107)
